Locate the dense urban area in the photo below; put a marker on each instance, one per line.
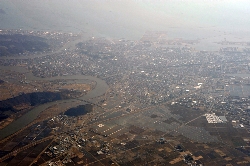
(165, 103)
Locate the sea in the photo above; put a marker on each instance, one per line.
(206, 20)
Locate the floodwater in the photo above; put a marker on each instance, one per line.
(239, 90)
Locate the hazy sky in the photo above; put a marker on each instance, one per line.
(127, 18)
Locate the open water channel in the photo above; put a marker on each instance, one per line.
(100, 89)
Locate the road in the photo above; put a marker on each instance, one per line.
(14, 153)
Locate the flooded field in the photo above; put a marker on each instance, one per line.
(239, 90)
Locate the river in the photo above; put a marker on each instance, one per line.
(100, 89)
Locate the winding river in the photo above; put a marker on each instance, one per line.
(100, 89)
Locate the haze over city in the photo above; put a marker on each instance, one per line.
(125, 82)
(129, 19)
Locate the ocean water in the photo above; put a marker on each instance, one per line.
(130, 19)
